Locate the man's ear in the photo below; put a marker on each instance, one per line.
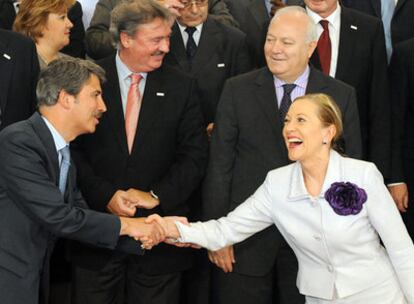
(125, 40)
(65, 99)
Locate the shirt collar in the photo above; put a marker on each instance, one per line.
(182, 28)
(301, 81)
(123, 71)
(60, 142)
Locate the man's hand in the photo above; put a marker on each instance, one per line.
(173, 6)
(149, 234)
(142, 199)
(121, 205)
(400, 195)
(223, 258)
(168, 224)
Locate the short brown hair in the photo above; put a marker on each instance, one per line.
(329, 114)
(33, 14)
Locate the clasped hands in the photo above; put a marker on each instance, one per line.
(125, 203)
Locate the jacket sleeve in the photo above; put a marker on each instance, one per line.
(387, 221)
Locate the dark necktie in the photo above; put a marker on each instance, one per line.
(64, 168)
(324, 48)
(286, 100)
(276, 4)
(191, 47)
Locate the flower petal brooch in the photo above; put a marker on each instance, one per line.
(346, 198)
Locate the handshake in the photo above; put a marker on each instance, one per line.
(154, 229)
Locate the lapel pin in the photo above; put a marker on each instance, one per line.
(221, 65)
(160, 94)
(354, 27)
(6, 56)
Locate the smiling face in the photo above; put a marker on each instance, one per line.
(57, 30)
(304, 132)
(145, 51)
(88, 106)
(287, 50)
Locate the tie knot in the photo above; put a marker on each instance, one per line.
(135, 78)
(288, 88)
(325, 24)
(65, 152)
(190, 30)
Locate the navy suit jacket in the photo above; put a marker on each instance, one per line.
(33, 212)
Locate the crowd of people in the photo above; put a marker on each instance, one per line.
(286, 126)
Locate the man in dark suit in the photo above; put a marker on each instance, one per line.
(247, 142)
(402, 23)
(39, 200)
(358, 58)
(402, 82)
(160, 163)
(19, 69)
(213, 53)
(98, 38)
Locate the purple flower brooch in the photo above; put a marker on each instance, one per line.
(346, 198)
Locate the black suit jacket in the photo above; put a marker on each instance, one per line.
(7, 14)
(168, 156)
(221, 54)
(362, 63)
(370, 7)
(253, 20)
(19, 69)
(402, 84)
(247, 143)
(402, 23)
(33, 212)
(76, 47)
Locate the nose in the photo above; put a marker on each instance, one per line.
(69, 23)
(194, 7)
(165, 45)
(101, 105)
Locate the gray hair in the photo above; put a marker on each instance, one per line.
(129, 14)
(68, 74)
(311, 27)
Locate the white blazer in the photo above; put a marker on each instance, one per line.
(334, 252)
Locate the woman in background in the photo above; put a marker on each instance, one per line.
(47, 23)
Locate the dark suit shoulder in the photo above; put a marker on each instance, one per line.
(360, 18)
(251, 77)
(228, 31)
(12, 38)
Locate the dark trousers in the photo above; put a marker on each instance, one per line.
(276, 287)
(121, 281)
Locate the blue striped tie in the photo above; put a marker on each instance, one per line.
(64, 168)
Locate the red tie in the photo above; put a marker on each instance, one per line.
(324, 48)
(132, 109)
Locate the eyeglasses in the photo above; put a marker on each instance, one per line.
(188, 3)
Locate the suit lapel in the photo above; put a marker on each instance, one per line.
(208, 41)
(377, 7)
(348, 36)
(155, 95)
(6, 65)
(115, 114)
(316, 83)
(267, 101)
(46, 138)
(400, 4)
(177, 49)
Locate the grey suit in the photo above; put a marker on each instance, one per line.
(247, 143)
(33, 212)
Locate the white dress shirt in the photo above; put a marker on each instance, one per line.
(196, 34)
(334, 20)
(339, 256)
